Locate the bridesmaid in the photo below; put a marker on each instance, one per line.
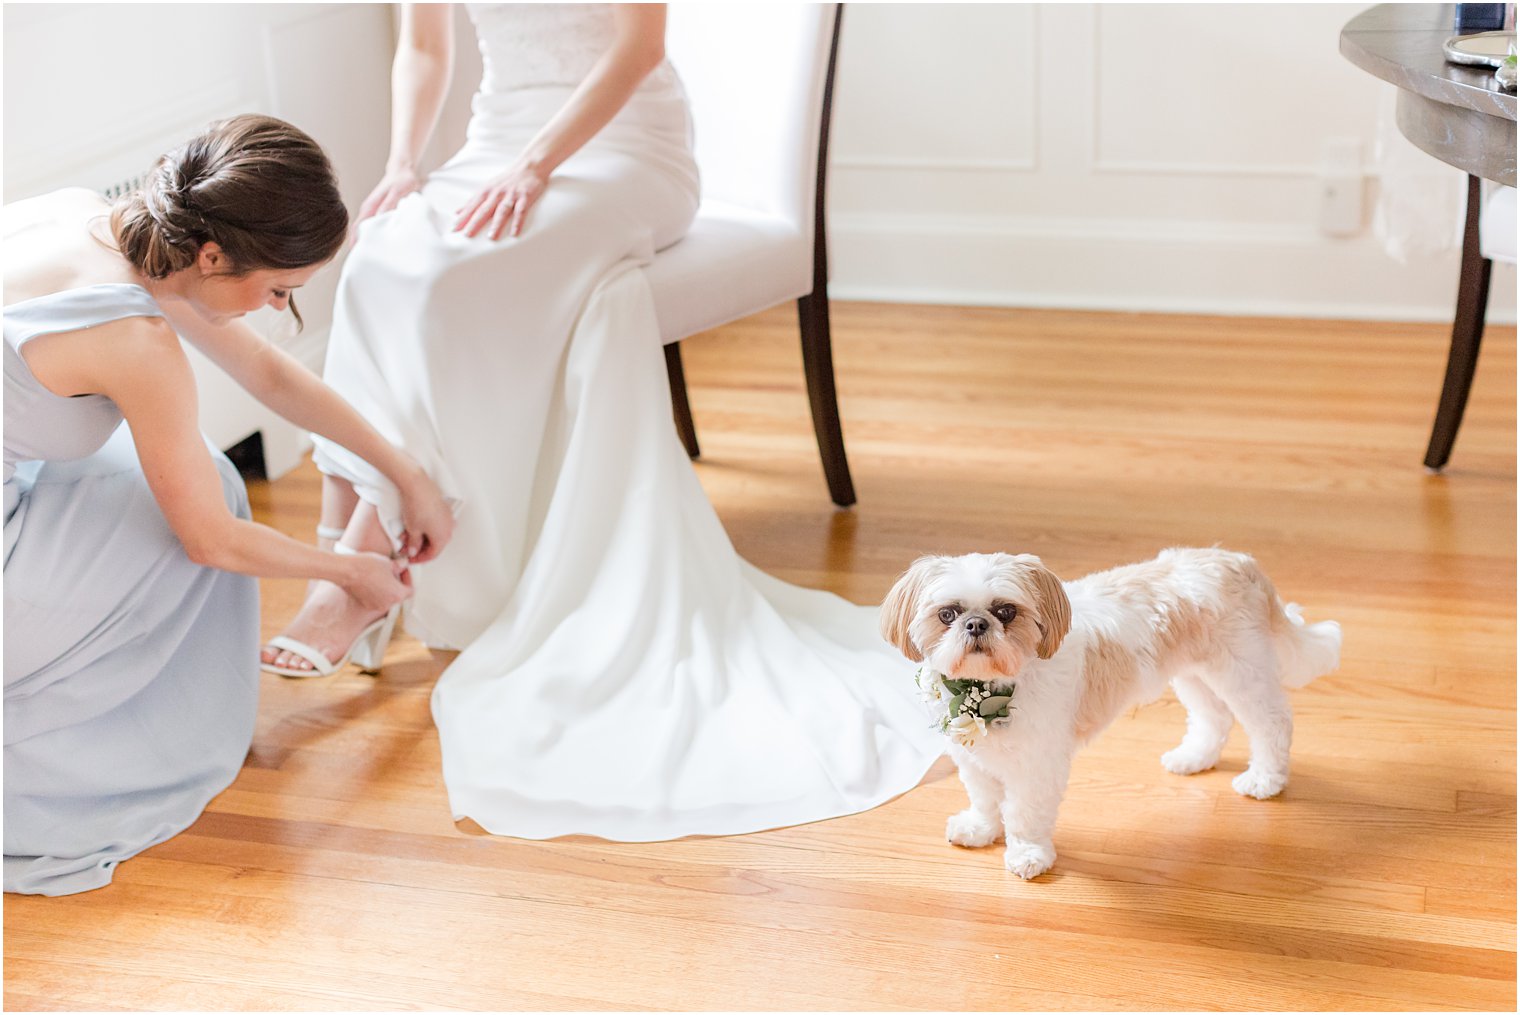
(131, 609)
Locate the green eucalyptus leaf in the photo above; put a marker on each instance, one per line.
(995, 704)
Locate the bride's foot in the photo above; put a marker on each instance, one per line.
(329, 621)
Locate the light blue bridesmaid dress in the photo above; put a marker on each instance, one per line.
(131, 673)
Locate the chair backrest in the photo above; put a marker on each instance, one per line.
(754, 73)
(1496, 228)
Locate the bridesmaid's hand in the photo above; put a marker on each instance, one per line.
(504, 201)
(427, 522)
(393, 186)
(375, 582)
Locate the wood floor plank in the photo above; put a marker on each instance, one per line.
(331, 876)
(243, 905)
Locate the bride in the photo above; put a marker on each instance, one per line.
(623, 672)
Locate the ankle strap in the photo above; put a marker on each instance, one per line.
(329, 532)
(349, 551)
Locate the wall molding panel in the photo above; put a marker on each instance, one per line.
(1172, 163)
(906, 75)
(898, 163)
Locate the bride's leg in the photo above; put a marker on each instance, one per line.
(338, 503)
(364, 531)
(329, 620)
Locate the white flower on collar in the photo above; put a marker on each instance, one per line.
(929, 686)
(967, 729)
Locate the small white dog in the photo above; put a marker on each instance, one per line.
(1022, 670)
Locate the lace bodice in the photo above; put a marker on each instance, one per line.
(534, 56)
(540, 45)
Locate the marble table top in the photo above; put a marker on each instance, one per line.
(1401, 43)
(1458, 114)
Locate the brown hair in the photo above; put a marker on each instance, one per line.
(256, 186)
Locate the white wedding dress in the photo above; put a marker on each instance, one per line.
(624, 673)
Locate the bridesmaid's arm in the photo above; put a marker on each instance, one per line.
(284, 384)
(636, 51)
(139, 365)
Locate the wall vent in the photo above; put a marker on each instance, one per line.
(121, 188)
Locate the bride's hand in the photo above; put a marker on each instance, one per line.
(427, 522)
(393, 186)
(503, 202)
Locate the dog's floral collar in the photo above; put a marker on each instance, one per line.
(964, 709)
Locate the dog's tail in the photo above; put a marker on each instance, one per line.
(1305, 651)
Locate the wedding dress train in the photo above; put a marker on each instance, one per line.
(624, 673)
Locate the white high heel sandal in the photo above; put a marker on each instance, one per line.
(366, 652)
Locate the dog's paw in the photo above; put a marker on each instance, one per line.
(1028, 859)
(1258, 783)
(1184, 760)
(970, 829)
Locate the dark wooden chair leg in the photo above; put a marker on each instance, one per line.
(679, 404)
(1466, 335)
(813, 315)
(818, 368)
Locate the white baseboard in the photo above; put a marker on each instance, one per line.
(1152, 266)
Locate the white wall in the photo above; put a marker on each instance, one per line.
(1154, 157)
(95, 92)
(1124, 156)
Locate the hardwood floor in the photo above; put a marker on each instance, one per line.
(330, 876)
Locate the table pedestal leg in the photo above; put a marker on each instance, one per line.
(1466, 335)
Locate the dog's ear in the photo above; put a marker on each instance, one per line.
(1055, 609)
(901, 605)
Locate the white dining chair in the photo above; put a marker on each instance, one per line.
(759, 78)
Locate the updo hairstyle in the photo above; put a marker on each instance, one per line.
(256, 186)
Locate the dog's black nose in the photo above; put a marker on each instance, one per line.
(976, 626)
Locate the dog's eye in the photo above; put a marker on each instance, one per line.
(1005, 613)
(947, 615)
